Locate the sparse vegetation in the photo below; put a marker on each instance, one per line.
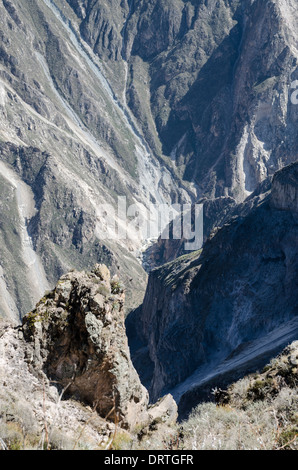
(261, 413)
(36, 316)
(103, 290)
(122, 441)
(116, 286)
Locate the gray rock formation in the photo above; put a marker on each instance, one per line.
(34, 412)
(167, 101)
(285, 189)
(67, 146)
(74, 342)
(187, 82)
(76, 335)
(148, 100)
(209, 317)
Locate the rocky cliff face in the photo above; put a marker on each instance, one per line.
(285, 189)
(211, 315)
(77, 336)
(59, 123)
(224, 128)
(73, 347)
(160, 101)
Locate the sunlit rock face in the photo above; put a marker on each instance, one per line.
(76, 335)
(70, 357)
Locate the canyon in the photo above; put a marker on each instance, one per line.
(211, 316)
(158, 103)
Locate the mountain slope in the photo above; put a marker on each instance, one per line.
(209, 82)
(212, 316)
(161, 102)
(71, 146)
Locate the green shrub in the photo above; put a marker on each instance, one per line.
(261, 389)
(117, 287)
(122, 441)
(288, 439)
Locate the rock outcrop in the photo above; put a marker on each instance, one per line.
(225, 310)
(285, 189)
(75, 341)
(34, 413)
(77, 336)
